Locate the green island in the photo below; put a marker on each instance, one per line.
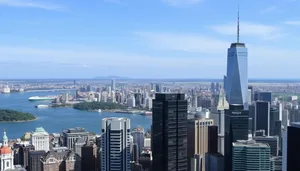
(15, 116)
(92, 106)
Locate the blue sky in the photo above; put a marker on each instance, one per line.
(146, 38)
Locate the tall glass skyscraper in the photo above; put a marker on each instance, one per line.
(236, 79)
(169, 132)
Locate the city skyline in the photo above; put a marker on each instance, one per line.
(64, 39)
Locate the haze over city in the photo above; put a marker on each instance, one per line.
(185, 38)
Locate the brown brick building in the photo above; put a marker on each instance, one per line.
(61, 159)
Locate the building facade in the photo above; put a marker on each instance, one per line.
(262, 116)
(249, 155)
(61, 160)
(40, 139)
(71, 135)
(34, 160)
(198, 137)
(115, 144)
(236, 84)
(169, 132)
(138, 134)
(236, 128)
(6, 155)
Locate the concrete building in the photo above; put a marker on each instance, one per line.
(40, 139)
(198, 137)
(115, 155)
(71, 135)
(249, 155)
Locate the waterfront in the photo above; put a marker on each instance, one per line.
(56, 119)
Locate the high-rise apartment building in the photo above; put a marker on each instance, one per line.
(262, 116)
(169, 132)
(198, 137)
(115, 144)
(40, 139)
(249, 155)
(236, 79)
(236, 128)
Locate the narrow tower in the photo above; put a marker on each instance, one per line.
(236, 82)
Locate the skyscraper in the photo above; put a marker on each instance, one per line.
(169, 132)
(236, 79)
(236, 128)
(113, 84)
(139, 138)
(262, 116)
(115, 155)
(291, 148)
(198, 137)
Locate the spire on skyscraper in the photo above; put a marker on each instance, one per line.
(238, 24)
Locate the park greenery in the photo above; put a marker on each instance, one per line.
(15, 116)
(90, 106)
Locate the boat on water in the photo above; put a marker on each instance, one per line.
(41, 98)
(42, 106)
(147, 113)
(99, 110)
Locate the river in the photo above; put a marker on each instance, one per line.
(57, 119)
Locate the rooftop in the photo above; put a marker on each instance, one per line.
(39, 130)
(248, 143)
(75, 130)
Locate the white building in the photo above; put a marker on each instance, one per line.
(40, 139)
(131, 102)
(115, 155)
(149, 103)
(6, 155)
(6, 89)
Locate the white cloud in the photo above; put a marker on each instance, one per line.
(294, 23)
(183, 42)
(217, 49)
(269, 9)
(31, 4)
(181, 2)
(250, 29)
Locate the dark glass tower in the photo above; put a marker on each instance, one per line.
(236, 128)
(169, 132)
(262, 116)
(291, 148)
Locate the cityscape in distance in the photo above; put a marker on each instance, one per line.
(74, 107)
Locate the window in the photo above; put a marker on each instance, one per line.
(7, 164)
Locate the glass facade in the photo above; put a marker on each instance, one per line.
(169, 132)
(236, 128)
(236, 82)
